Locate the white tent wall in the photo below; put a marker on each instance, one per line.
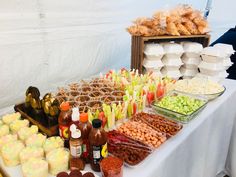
(47, 43)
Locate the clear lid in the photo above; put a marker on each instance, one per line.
(153, 49)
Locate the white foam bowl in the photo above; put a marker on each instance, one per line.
(152, 63)
(153, 51)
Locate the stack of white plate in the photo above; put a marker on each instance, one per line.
(191, 59)
(216, 61)
(172, 60)
(152, 58)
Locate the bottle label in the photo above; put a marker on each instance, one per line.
(76, 151)
(85, 148)
(64, 131)
(99, 152)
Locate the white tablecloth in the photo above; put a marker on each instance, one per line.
(199, 150)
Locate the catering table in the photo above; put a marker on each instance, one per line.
(200, 149)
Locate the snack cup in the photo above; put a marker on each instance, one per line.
(118, 93)
(108, 99)
(111, 167)
(95, 105)
(106, 90)
(95, 95)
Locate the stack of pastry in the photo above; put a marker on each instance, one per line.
(181, 20)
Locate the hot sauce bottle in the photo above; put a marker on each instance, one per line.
(64, 120)
(76, 142)
(98, 144)
(85, 128)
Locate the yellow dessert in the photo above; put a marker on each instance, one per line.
(58, 160)
(35, 140)
(18, 124)
(6, 139)
(26, 132)
(35, 167)
(53, 143)
(31, 152)
(10, 153)
(9, 118)
(4, 130)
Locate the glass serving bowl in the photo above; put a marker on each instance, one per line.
(180, 117)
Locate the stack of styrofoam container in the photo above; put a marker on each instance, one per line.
(171, 60)
(215, 62)
(152, 59)
(191, 59)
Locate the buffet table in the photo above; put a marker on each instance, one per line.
(199, 150)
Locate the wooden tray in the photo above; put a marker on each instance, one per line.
(138, 43)
(49, 131)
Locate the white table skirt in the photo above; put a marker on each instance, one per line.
(200, 149)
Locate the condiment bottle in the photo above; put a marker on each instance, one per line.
(76, 142)
(98, 144)
(85, 128)
(74, 118)
(64, 120)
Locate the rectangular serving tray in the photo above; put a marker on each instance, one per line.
(183, 118)
(49, 131)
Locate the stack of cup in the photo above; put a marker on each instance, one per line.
(191, 59)
(172, 61)
(152, 58)
(215, 62)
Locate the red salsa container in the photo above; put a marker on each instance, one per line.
(111, 167)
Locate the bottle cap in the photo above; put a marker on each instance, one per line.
(97, 123)
(75, 114)
(76, 133)
(65, 106)
(84, 117)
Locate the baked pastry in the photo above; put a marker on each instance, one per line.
(10, 155)
(53, 143)
(58, 160)
(31, 152)
(9, 118)
(4, 130)
(35, 140)
(26, 132)
(18, 124)
(35, 167)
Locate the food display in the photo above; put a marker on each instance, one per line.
(31, 152)
(58, 160)
(10, 155)
(131, 151)
(53, 143)
(181, 20)
(112, 167)
(35, 140)
(76, 173)
(180, 106)
(142, 132)
(25, 132)
(159, 123)
(35, 167)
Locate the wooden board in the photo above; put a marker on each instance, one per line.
(138, 42)
(49, 131)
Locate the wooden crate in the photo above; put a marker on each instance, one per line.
(138, 43)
